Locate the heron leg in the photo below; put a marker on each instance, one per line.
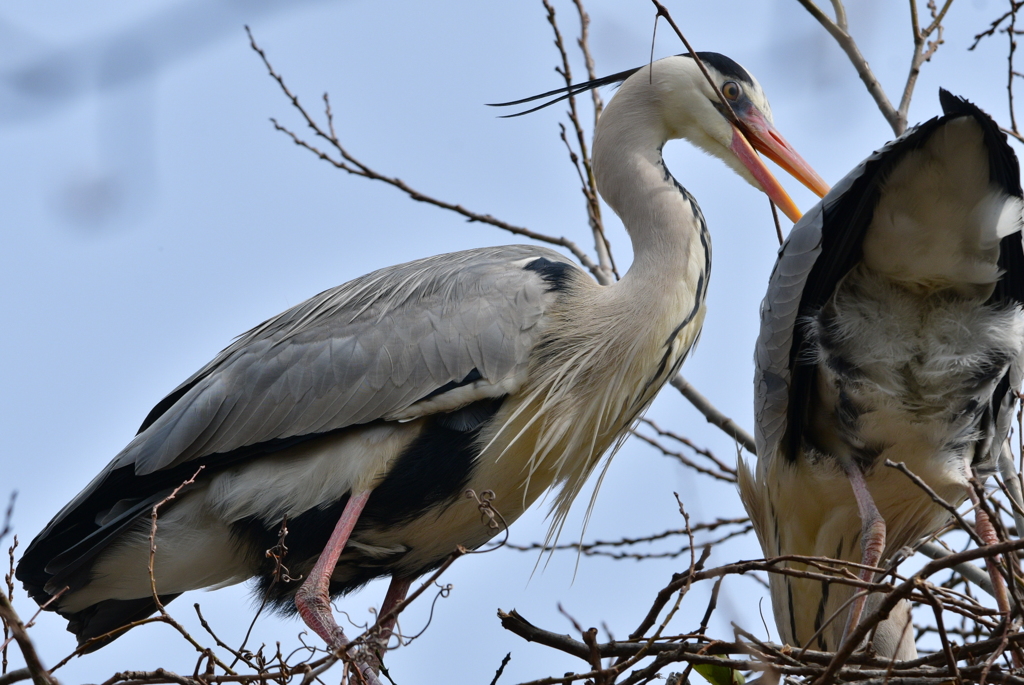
(397, 590)
(983, 527)
(872, 540)
(313, 598)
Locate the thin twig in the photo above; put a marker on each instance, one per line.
(713, 415)
(39, 674)
(350, 164)
(849, 46)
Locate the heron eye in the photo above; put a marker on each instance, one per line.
(731, 90)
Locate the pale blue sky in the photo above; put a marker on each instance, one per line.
(149, 213)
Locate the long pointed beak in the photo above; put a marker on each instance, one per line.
(764, 138)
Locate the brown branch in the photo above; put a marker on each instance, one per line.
(588, 184)
(9, 578)
(682, 458)
(923, 51)
(901, 592)
(706, 453)
(860, 667)
(916, 480)
(969, 571)
(351, 165)
(589, 547)
(501, 668)
(849, 46)
(15, 676)
(35, 668)
(704, 406)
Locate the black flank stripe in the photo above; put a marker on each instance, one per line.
(432, 473)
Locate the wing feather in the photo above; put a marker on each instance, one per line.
(374, 348)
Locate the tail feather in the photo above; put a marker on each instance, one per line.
(108, 616)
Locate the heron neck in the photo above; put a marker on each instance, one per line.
(671, 247)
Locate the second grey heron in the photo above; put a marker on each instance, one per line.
(892, 329)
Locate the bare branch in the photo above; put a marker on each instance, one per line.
(35, 668)
(968, 571)
(726, 468)
(587, 182)
(923, 51)
(849, 46)
(351, 165)
(704, 406)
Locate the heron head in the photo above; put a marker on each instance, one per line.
(691, 108)
(672, 98)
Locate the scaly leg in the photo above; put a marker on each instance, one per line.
(983, 527)
(397, 591)
(313, 598)
(872, 540)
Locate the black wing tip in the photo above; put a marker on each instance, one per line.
(953, 105)
(958, 106)
(1004, 166)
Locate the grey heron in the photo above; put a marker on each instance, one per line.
(361, 415)
(892, 329)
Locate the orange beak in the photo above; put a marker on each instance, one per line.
(762, 136)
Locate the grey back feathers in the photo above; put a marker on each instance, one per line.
(374, 348)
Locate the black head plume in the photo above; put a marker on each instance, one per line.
(566, 92)
(723, 64)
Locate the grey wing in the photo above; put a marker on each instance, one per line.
(409, 340)
(779, 310)
(401, 342)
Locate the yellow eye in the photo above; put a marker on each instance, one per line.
(731, 90)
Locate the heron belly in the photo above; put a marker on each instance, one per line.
(904, 374)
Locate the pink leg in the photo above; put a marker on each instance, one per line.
(397, 590)
(983, 527)
(872, 540)
(396, 593)
(313, 599)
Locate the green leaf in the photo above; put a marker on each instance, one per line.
(720, 675)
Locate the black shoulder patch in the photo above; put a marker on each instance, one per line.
(726, 66)
(556, 274)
